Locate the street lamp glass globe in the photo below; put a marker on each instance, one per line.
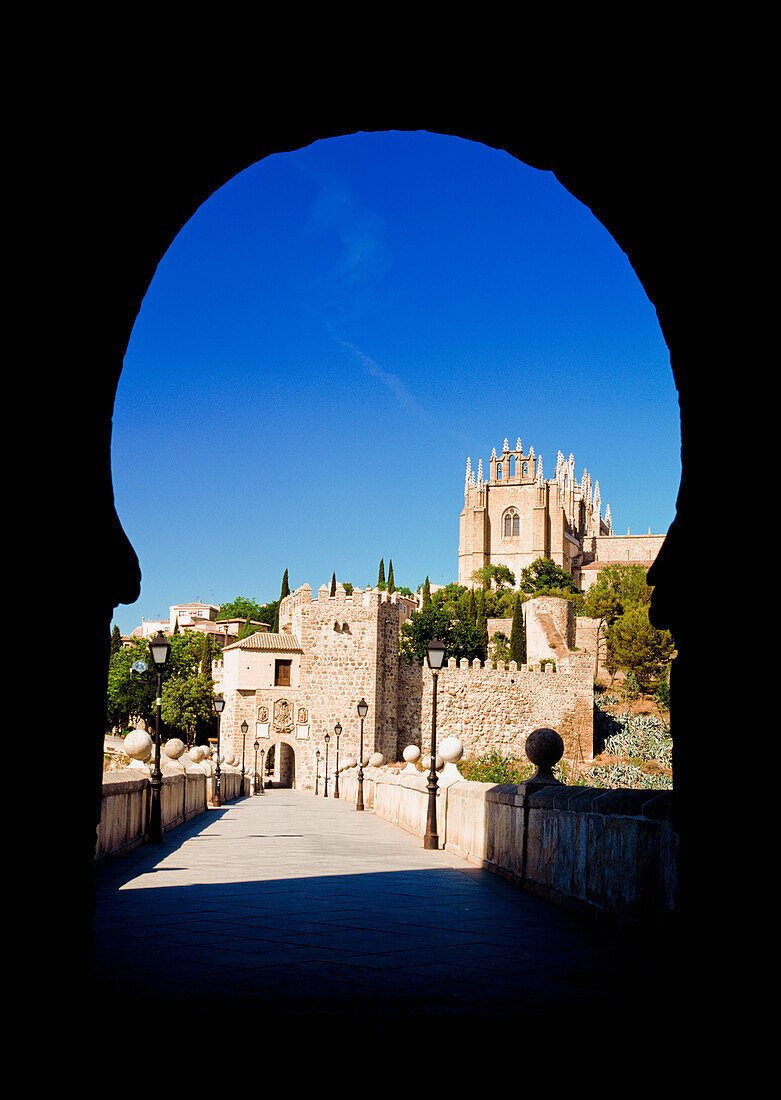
(160, 648)
(435, 654)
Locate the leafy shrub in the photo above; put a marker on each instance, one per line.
(495, 767)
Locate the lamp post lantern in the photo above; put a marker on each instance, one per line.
(160, 648)
(363, 710)
(435, 655)
(338, 732)
(317, 769)
(219, 707)
(243, 727)
(327, 738)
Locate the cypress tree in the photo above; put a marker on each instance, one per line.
(391, 582)
(285, 591)
(426, 592)
(482, 625)
(381, 574)
(333, 584)
(518, 635)
(471, 606)
(116, 641)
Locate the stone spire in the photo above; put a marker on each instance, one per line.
(506, 446)
(518, 446)
(539, 470)
(468, 472)
(480, 474)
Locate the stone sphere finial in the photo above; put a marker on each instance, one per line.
(451, 750)
(138, 745)
(376, 760)
(411, 754)
(174, 748)
(544, 747)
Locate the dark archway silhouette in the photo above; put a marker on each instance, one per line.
(140, 181)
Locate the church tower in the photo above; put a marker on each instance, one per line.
(517, 515)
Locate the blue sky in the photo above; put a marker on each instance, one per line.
(337, 329)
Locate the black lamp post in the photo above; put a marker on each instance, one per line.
(262, 754)
(435, 655)
(257, 781)
(317, 769)
(243, 727)
(338, 732)
(219, 707)
(363, 710)
(160, 648)
(327, 738)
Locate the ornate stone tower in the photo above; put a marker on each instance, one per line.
(517, 516)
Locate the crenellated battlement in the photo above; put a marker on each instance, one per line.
(570, 666)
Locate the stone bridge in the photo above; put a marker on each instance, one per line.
(295, 903)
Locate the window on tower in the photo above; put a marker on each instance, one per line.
(512, 524)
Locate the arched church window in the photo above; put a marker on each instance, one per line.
(499, 472)
(511, 466)
(525, 469)
(512, 524)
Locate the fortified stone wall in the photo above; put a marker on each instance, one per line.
(349, 650)
(487, 708)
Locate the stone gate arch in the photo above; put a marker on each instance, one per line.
(285, 763)
(642, 180)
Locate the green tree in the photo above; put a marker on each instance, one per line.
(242, 607)
(481, 625)
(284, 591)
(116, 641)
(543, 578)
(500, 644)
(443, 617)
(187, 705)
(381, 575)
(391, 582)
(605, 607)
(333, 584)
(640, 648)
(494, 575)
(128, 699)
(268, 613)
(426, 592)
(627, 584)
(518, 634)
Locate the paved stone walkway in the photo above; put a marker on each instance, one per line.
(297, 904)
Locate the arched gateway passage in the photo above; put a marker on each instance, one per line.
(639, 181)
(280, 767)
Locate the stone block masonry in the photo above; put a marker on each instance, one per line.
(339, 649)
(497, 708)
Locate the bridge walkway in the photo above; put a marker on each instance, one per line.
(292, 903)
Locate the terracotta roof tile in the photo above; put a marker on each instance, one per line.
(284, 643)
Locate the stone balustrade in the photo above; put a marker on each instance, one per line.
(607, 853)
(188, 788)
